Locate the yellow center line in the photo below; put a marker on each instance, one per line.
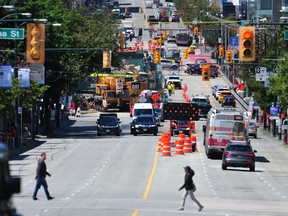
(145, 195)
(135, 213)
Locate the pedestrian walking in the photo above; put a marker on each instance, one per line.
(40, 178)
(190, 188)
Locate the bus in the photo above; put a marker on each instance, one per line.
(183, 39)
(222, 126)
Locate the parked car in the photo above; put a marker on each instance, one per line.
(168, 63)
(252, 129)
(176, 80)
(108, 125)
(229, 100)
(144, 124)
(171, 39)
(238, 154)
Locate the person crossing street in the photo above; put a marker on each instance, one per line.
(190, 188)
(40, 178)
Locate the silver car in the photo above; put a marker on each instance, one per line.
(168, 63)
(252, 129)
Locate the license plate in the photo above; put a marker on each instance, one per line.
(239, 156)
(144, 129)
(107, 131)
(180, 131)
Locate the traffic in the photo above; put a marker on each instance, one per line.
(168, 108)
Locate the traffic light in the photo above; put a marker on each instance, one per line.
(205, 72)
(196, 31)
(247, 43)
(221, 51)
(185, 54)
(229, 59)
(157, 57)
(107, 56)
(35, 43)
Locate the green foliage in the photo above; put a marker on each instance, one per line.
(279, 83)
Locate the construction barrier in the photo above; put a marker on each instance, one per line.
(179, 147)
(166, 144)
(181, 138)
(160, 144)
(193, 142)
(187, 146)
(193, 127)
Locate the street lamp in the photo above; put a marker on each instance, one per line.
(14, 14)
(10, 7)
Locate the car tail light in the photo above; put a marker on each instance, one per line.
(254, 128)
(227, 153)
(250, 155)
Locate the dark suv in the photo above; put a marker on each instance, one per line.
(108, 124)
(238, 154)
(144, 124)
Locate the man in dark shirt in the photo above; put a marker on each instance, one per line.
(189, 188)
(41, 173)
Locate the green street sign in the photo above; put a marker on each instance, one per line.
(12, 33)
(286, 35)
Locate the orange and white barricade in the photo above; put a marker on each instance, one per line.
(187, 146)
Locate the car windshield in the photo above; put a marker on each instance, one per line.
(181, 122)
(199, 100)
(108, 121)
(138, 112)
(174, 78)
(239, 148)
(144, 120)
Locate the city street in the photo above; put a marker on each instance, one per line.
(125, 175)
(114, 176)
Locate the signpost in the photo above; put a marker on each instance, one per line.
(12, 33)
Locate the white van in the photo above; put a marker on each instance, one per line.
(149, 4)
(142, 109)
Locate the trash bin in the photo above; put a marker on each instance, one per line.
(213, 55)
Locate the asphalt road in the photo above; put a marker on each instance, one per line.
(124, 175)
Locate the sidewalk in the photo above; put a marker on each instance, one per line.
(41, 139)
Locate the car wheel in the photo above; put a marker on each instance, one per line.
(98, 134)
(224, 167)
(222, 105)
(174, 67)
(135, 134)
(252, 168)
(118, 134)
(255, 136)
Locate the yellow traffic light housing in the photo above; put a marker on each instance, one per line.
(229, 59)
(157, 57)
(205, 72)
(247, 43)
(185, 54)
(35, 43)
(221, 51)
(107, 57)
(196, 31)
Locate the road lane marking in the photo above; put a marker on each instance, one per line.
(135, 213)
(145, 195)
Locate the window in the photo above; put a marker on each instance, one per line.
(265, 5)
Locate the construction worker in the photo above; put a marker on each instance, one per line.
(169, 87)
(173, 88)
